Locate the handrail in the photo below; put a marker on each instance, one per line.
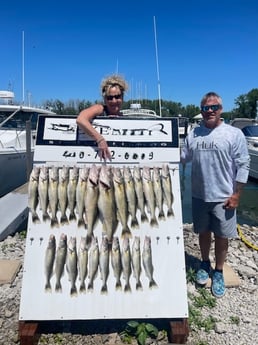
(9, 117)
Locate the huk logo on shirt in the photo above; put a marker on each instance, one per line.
(202, 145)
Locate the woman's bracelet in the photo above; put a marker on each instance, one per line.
(100, 140)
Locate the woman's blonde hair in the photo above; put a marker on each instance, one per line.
(114, 80)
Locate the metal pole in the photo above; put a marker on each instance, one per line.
(28, 149)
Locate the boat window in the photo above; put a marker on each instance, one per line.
(250, 131)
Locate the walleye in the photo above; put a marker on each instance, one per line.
(116, 262)
(83, 263)
(53, 194)
(126, 263)
(93, 261)
(121, 203)
(62, 193)
(91, 200)
(71, 264)
(104, 263)
(136, 262)
(167, 189)
(158, 192)
(43, 191)
(71, 191)
(106, 203)
(130, 196)
(33, 193)
(147, 261)
(49, 261)
(80, 194)
(139, 193)
(149, 194)
(60, 261)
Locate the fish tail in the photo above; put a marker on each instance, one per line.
(48, 287)
(161, 215)
(81, 223)
(152, 284)
(73, 291)
(54, 222)
(138, 285)
(144, 218)
(118, 285)
(126, 232)
(127, 288)
(58, 287)
(72, 216)
(170, 212)
(82, 287)
(104, 289)
(45, 216)
(64, 219)
(154, 223)
(134, 223)
(90, 286)
(35, 218)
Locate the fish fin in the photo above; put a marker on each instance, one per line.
(134, 223)
(127, 288)
(161, 215)
(104, 289)
(58, 287)
(154, 223)
(64, 219)
(81, 223)
(126, 233)
(45, 217)
(73, 291)
(48, 287)
(35, 218)
(118, 285)
(170, 212)
(90, 286)
(82, 287)
(152, 284)
(139, 285)
(72, 216)
(144, 218)
(54, 222)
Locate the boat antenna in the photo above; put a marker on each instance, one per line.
(157, 63)
(22, 67)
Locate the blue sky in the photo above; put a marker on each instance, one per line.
(70, 46)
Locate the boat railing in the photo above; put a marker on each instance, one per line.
(9, 117)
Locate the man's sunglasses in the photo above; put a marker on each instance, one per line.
(109, 98)
(213, 107)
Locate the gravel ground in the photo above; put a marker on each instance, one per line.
(233, 320)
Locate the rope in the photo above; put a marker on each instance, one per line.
(245, 240)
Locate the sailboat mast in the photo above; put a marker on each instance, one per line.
(157, 63)
(23, 67)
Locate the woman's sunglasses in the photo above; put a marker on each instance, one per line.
(109, 98)
(213, 107)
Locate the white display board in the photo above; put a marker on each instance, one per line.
(168, 299)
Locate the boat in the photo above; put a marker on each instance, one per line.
(14, 159)
(136, 110)
(250, 129)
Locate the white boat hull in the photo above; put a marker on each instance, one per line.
(13, 169)
(253, 152)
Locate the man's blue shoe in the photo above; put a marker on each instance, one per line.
(203, 274)
(218, 285)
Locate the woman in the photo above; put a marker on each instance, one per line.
(112, 88)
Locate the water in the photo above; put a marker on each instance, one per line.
(247, 212)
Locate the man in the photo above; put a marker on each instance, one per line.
(220, 168)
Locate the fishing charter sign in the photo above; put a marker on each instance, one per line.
(105, 239)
